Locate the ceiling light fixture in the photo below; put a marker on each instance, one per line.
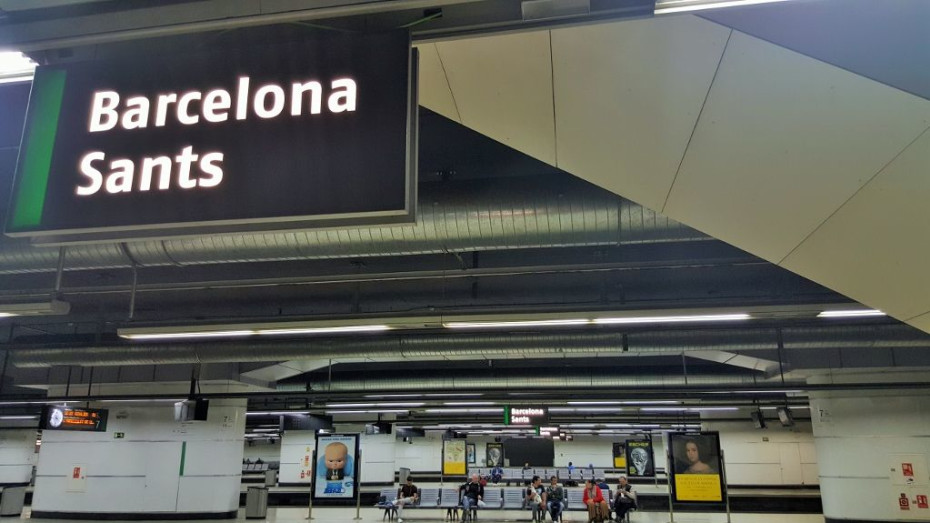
(245, 330)
(684, 6)
(42, 308)
(508, 324)
(370, 405)
(278, 413)
(16, 67)
(634, 320)
(373, 411)
(858, 313)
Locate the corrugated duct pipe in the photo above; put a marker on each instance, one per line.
(472, 346)
(531, 382)
(475, 215)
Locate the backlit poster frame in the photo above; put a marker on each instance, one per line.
(696, 468)
(453, 457)
(640, 458)
(494, 455)
(337, 466)
(619, 455)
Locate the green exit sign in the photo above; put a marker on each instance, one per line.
(119, 435)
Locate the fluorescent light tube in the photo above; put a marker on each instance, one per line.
(463, 411)
(376, 411)
(324, 330)
(664, 7)
(467, 403)
(685, 409)
(370, 405)
(187, 335)
(858, 313)
(52, 307)
(507, 324)
(16, 66)
(277, 413)
(12, 417)
(594, 402)
(632, 320)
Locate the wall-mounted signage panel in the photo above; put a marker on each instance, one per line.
(525, 415)
(68, 418)
(318, 132)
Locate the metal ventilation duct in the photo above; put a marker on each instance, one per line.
(478, 215)
(478, 382)
(473, 346)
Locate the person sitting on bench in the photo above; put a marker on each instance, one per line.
(598, 509)
(555, 499)
(472, 496)
(408, 495)
(625, 500)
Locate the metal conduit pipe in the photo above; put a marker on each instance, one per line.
(508, 213)
(476, 346)
(479, 381)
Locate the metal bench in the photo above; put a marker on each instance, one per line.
(385, 499)
(493, 498)
(513, 498)
(449, 500)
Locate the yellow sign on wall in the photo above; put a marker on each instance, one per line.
(698, 487)
(453, 457)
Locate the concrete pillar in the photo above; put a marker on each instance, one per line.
(160, 469)
(872, 449)
(17, 456)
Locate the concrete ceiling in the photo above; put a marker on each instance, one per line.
(803, 163)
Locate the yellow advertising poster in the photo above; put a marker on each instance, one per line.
(698, 487)
(453, 457)
(619, 455)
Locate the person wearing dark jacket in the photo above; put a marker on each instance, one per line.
(625, 500)
(472, 495)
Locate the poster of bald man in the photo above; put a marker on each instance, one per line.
(336, 474)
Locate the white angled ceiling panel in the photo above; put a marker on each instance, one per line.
(502, 86)
(627, 95)
(434, 90)
(875, 248)
(783, 141)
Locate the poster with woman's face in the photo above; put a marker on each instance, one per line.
(696, 467)
(336, 474)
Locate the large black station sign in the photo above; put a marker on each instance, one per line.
(318, 132)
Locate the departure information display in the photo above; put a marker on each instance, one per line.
(70, 418)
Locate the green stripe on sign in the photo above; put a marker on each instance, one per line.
(183, 455)
(44, 107)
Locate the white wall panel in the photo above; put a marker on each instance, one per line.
(17, 455)
(624, 115)
(142, 473)
(502, 85)
(295, 446)
(890, 216)
(378, 458)
(783, 131)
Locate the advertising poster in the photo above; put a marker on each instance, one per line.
(639, 459)
(470, 453)
(696, 467)
(453, 457)
(494, 455)
(619, 455)
(336, 474)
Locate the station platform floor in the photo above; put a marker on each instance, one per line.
(347, 515)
